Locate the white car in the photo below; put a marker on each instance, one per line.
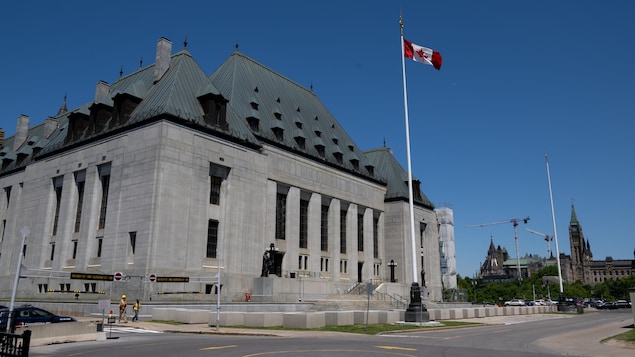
(515, 302)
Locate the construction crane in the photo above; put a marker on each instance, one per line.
(514, 221)
(547, 239)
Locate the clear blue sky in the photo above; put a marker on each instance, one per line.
(519, 79)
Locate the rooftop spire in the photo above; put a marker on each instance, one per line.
(63, 107)
(574, 217)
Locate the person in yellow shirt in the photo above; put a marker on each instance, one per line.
(136, 307)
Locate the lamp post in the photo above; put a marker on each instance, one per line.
(25, 232)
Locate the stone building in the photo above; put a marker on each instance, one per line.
(173, 177)
(580, 266)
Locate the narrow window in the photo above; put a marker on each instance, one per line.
(343, 231)
(7, 192)
(104, 177)
(74, 249)
(212, 239)
(57, 186)
(217, 174)
(324, 234)
(360, 232)
(375, 237)
(100, 241)
(52, 250)
(304, 223)
(80, 180)
(281, 213)
(133, 240)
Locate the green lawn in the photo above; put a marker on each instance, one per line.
(371, 329)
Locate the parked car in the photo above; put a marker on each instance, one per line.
(622, 304)
(26, 315)
(608, 305)
(515, 302)
(540, 302)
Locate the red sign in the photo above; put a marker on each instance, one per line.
(153, 278)
(118, 275)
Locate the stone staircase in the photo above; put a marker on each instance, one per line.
(352, 302)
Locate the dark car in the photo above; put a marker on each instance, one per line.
(26, 315)
(622, 304)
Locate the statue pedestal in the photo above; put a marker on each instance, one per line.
(263, 289)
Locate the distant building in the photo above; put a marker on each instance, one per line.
(580, 266)
(499, 267)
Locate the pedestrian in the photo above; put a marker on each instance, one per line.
(136, 307)
(122, 309)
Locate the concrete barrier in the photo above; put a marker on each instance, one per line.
(361, 315)
(304, 320)
(339, 318)
(388, 317)
(191, 316)
(227, 318)
(61, 332)
(165, 314)
(262, 319)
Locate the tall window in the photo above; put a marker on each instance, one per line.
(57, 186)
(343, 231)
(7, 192)
(212, 239)
(375, 237)
(217, 174)
(133, 241)
(74, 249)
(100, 241)
(281, 215)
(52, 250)
(324, 233)
(360, 232)
(304, 223)
(80, 180)
(104, 177)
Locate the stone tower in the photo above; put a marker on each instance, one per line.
(580, 251)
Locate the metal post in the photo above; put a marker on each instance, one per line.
(520, 278)
(25, 232)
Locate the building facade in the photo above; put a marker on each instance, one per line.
(176, 179)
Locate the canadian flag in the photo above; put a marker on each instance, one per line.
(422, 54)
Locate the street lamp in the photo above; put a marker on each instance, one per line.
(25, 232)
(392, 266)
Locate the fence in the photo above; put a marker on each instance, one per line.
(12, 345)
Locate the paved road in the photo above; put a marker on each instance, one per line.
(520, 336)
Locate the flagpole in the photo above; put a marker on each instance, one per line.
(555, 232)
(410, 195)
(416, 311)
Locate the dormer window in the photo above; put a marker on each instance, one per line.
(215, 110)
(298, 124)
(278, 115)
(355, 164)
(301, 142)
(320, 150)
(278, 133)
(254, 105)
(335, 141)
(371, 170)
(124, 105)
(338, 157)
(254, 124)
(318, 133)
(297, 109)
(21, 156)
(351, 148)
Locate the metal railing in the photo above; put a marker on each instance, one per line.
(12, 345)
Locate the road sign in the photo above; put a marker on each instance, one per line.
(84, 276)
(118, 276)
(152, 278)
(173, 279)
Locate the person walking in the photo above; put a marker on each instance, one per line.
(122, 309)
(136, 307)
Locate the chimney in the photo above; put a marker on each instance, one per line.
(162, 62)
(50, 125)
(101, 91)
(21, 132)
(1, 138)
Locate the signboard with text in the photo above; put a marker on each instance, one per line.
(85, 276)
(173, 279)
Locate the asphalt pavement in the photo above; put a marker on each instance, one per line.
(582, 343)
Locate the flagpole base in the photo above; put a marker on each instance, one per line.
(416, 311)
